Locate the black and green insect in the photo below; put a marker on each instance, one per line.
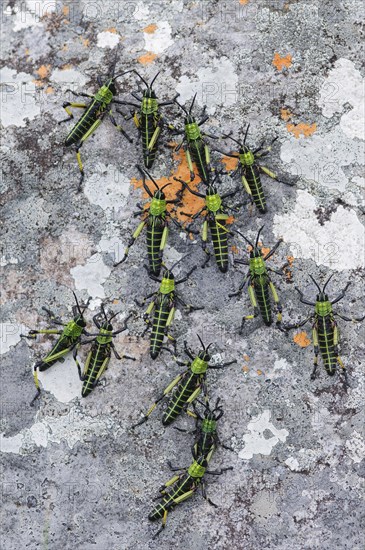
(148, 119)
(215, 220)
(249, 169)
(325, 332)
(182, 486)
(259, 283)
(195, 144)
(94, 112)
(163, 307)
(206, 428)
(97, 360)
(69, 339)
(155, 218)
(187, 386)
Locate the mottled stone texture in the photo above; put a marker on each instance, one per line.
(74, 476)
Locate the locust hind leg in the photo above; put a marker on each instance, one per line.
(253, 300)
(279, 308)
(119, 128)
(66, 105)
(338, 358)
(36, 382)
(204, 243)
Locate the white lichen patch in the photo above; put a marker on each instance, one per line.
(321, 158)
(160, 39)
(69, 76)
(62, 380)
(9, 335)
(356, 447)
(19, 98)
(107, 188)
(335, 244)
(141, 12)
(343, 85)
(4, 260)
(72, 428)
(255, 441)
(91, 276)
(107, 39)
(215, 85)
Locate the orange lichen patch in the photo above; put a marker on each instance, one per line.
(67, 67)
(147, 58)
(66, 10)
(246, 357)
(259, 372)
(290, 260)
(285, 114)
(43, 70)
(49, 90)
(234, 249)
(243, 2)
(301, 339)
(229, 162)
(280, 62)
(38, 83)
(115, 302)
(265, 250)
(303, 129)
(191, 203)
(245, 368)
(85, 41)
(112, 30)
(27, 51)
(150, 29)
(65, 48)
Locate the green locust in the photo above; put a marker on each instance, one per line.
(155, 219)
(97, 360)
(325, 332)
(163, 307)
(196, 147)
(148, 119)
(94, 112)
(187, 386)
(182, 486)
(249, 169)
(260, 284)
(215, 220)
(69, 339)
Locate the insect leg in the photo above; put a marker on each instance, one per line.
(135, 236)
(352, 319)
(341, 295)
(273, 175)
(302, 299)
(203, 120)
(266, 151)
(186, 276)
(33, 333)
(188, 351)
(119, 128)
(52, 316)
(189, 307)
(67, 106)
(36, 382)
(204, 243)
(241, 287)
(165, 392)
(279, 308)
(252, 296)
(297, 325)
(316, 351)
(204, 493)
(154, 138)
(190, 163)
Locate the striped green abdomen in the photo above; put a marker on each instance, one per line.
(220, 243)
(326, 343)
(160, 316)
(99, 353)
(149, 123)
(252, 175)
(85, 123)
(184, 390)
(155, 229)
(198, 155)
(185, 484)
(263, 301)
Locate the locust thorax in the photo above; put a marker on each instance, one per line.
(213, 199)
(167, 284)
(105, 335)
(158, 204)
(198, 467)
(246, 157)
(323, 305)
(257, 262)
(209, 425)
(75, 327)
(105, 93)
(200, 364)
(192, 129)
(149, 104)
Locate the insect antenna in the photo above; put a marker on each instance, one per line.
(324, 288)
(181, 107)
(154, 79)
(317, 285)
(192, 103)
(141, 77)
(201, 341)
(244, 141)
(211, 343)
(150, 178)
(233, 139)
(243, 237)
(103, 312)
(178, 261)
(77, 303)
(112, 317)
(258, 236)
(166, 185)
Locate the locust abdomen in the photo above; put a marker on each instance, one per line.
(263, 302)
(220, 243)
(253, 178)
(160, 316)
(155, 230)
(326, 344)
